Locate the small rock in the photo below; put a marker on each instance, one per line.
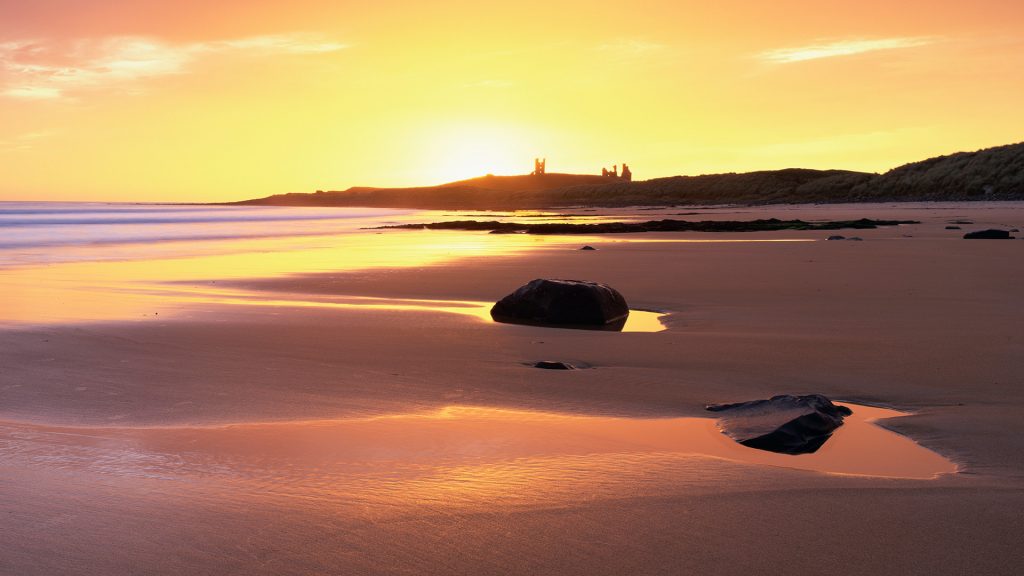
(553, 365)
(784, 424)
(952, 227)
(988, 235)
(960, 222)
(856, 238)
(588, 248)
(836, 237)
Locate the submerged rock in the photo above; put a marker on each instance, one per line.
(836, 237)
(564, 303)
(988, 235)
(952, 227)
(784, 424)
(553, 365)
(855, 239)
(588, 248)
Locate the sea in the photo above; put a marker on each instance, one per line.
(50, 232)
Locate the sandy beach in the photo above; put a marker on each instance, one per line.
(339, 403)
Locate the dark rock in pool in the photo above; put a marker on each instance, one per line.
(588, 248)
(565, 304)
(552, 365)
(856, 239)
(837, 237)
(988, 235)
(952, 227)
(784, 424)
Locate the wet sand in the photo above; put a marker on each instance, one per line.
(133, 442)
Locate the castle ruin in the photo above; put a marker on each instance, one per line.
(626, 175)
(540, 168)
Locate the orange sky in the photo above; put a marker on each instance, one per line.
(154, 100)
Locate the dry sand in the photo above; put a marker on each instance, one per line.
(110, 463)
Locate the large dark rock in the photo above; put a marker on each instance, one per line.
(785, 424)
(988, 235)
(564, 303)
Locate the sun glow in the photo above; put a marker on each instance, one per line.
(470, 149)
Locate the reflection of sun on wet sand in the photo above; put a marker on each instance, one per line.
(296, 405)
(396, 459)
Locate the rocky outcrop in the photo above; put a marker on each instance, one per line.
(564, 303)
(988, 235)
(784, 424)
(761, 225)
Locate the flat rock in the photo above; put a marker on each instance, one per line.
(554, 365)
(785, 424)
(837, 237)
(952, 227)
(565, 304)
(988, 235)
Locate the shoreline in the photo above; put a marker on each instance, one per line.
(913, 318)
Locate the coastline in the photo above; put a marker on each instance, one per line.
(992, 174)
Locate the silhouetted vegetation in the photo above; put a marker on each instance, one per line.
(992, 174)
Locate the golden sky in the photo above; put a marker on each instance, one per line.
(192, 100)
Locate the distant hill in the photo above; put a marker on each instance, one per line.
(990, 174)
(528, 183)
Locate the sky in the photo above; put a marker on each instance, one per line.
(198, 101)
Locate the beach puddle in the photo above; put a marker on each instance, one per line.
(457, 455)
(644, 321)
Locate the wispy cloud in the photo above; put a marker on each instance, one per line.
(841, 48)
(24, 141)
(40, 70)
(631, 47)
(32, 92)
(280, 44)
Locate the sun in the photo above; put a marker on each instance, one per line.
(459, 151)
